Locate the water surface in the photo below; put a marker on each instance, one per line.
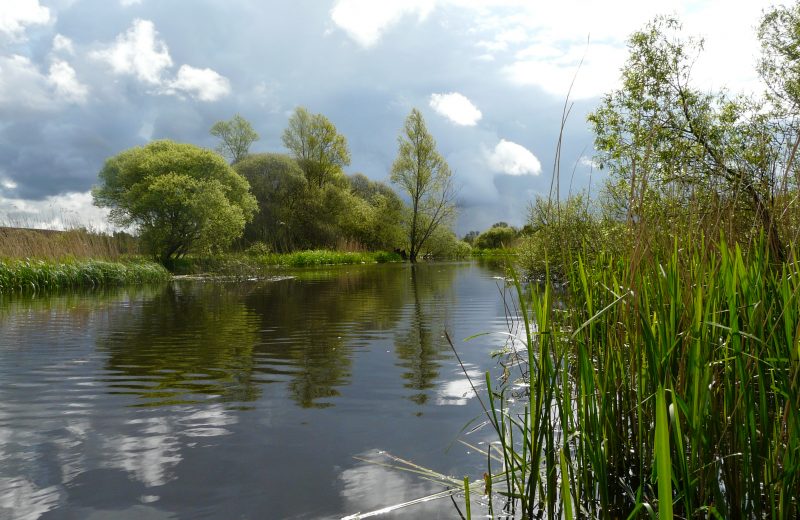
(242, 400)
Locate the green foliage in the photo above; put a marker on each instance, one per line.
(258, 249)
(40, 275)
(259, 262)
(443, 243)
(780, 52)
(498, 236)
(180, 197)
(320, 150)
(375, 214)
(279, 186)
(423, 175)
(561, 231)
(235, 136)
(663, 139)
(470, 237)
(672, 385)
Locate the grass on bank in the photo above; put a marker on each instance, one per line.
(41, 275)
(671, 388)
(493, 252)
(256, 264)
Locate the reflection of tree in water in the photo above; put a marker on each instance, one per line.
(422, 345)
(311, 324)
(191, 338)
(223, 340)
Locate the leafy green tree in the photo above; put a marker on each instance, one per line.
(180, 197)
(278, 184)
(662, 137)
(470, 237)
(423, 174)
(378, 222)
(317, 146)
(497, 236)
(235, 136)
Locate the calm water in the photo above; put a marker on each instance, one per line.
(242, 400)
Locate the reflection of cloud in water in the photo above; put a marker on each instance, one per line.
(368, 487)
(148, 455)
(458, 392)
(152, 452)
(146, 448)
(23, 500)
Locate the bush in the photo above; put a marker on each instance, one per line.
(497, 237)
(561, 233)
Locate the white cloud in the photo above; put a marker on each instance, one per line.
(513, 159)
(456, 107)
(15, 15)
(541, 43)
(63, 44)
(554, 70)
(203, 84)
(128, 3)
(22, 86)
(365, 21)
(7, 183)
(62, 76)
(138, 52)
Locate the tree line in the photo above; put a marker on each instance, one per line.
(183, 199)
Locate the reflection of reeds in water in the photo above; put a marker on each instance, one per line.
(667, 388)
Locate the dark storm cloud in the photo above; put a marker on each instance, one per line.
(277, 57)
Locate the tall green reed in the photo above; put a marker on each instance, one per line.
(40, 275)
(665, 389)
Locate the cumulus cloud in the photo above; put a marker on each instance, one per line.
(138, 52)
(128, 3)
(203, 84)
(16, 15)
(513, 159)
(63, 44)
(63, 78)
(456, 107)
(595, 70)
(22, 86)
(365, 21)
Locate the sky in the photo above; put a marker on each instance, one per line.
(82, 80)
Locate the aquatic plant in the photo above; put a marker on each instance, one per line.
(40, 275)
(667, 388)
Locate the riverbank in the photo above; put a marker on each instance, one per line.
(242, 264)
(18, 275)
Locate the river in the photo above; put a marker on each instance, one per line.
(203, 399)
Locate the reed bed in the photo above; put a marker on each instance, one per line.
(20, 243)
(670, 389)
(42, 275)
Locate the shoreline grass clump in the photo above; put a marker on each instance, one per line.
(258, 264)
(667, 388)
(41, 275)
